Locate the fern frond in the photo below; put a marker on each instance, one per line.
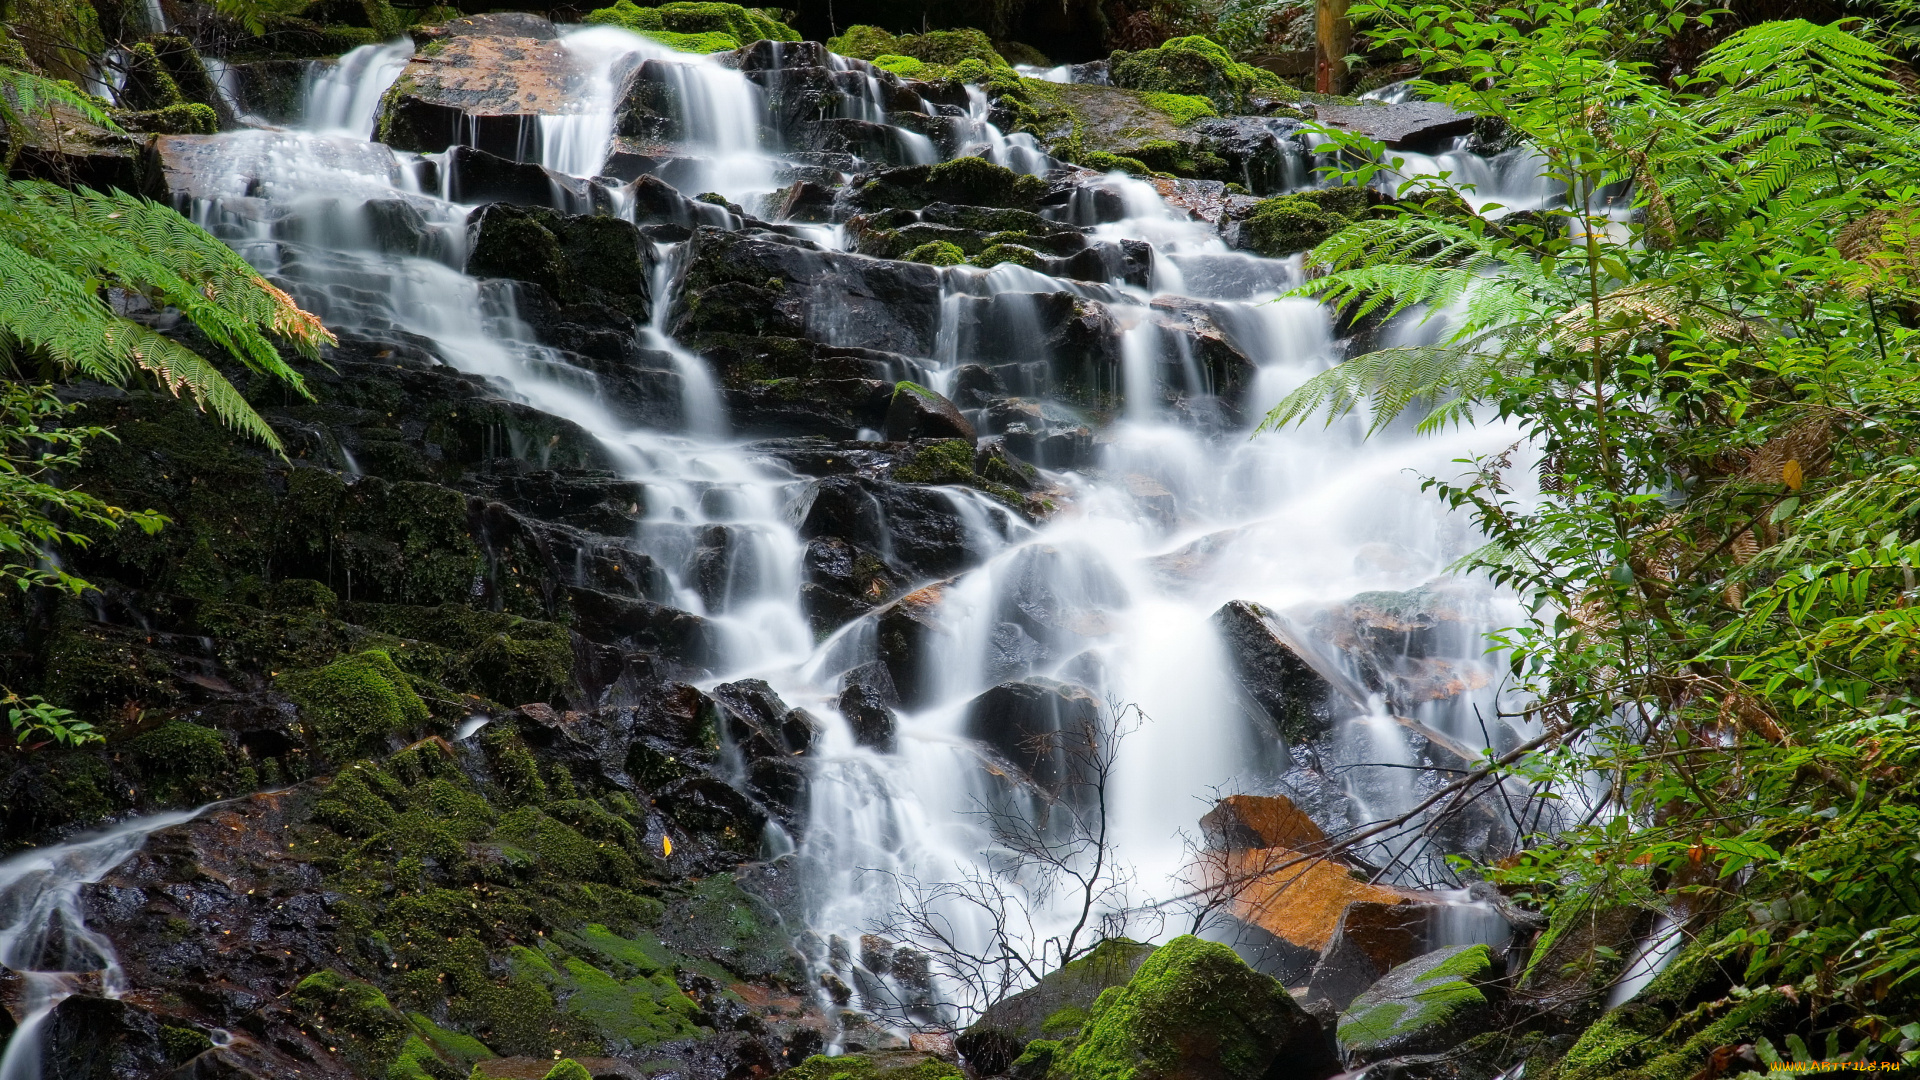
(22, 93)
(1451, 377)
(178, 368)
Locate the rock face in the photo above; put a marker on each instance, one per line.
(489, 75)
(1039, 725)
(1294, 896)
(1194, 1009)
(1425, 1005)
(1372, 939)
(1409, 125)
(1239, 822)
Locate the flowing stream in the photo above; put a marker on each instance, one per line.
(44, 936)
(1173, 518)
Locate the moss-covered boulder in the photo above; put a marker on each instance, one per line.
(1428, 1004)
(919, 413)
(1196, 1011)
(967, 181)
(1194, 65)
(695, 27)
(1288, 223)
(355, 705)
(574, 257)
(940, 48)
(1025, 1029)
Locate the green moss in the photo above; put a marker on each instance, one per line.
(1063, 1022)
(875, 1066)
(937, 253)
(1180, 108)
(949, 461)
(1194, 66)
(1037, 1059)
(514, 769)
(568, 1069)
(1431, 1001)
(180, 760)
(1191, 1002)
(183, 1043)
(354, 704)
(692, 27)
(462, 1050)
(996, 254)
(356, 1009)
(904, 66)
(941, 48)
(967, 181)
(183, 118)
(1106, 162)
(1289, 223)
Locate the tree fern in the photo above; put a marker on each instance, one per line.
(61, 250)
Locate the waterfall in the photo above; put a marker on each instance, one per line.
(45, 938)
(1299, 519)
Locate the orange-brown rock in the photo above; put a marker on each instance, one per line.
(483, 81)
(1293, 895)
(1238, 822)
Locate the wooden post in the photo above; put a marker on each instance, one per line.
(1332, 41)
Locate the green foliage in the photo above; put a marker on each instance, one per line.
(1721, 388)
(37, 515)
(34, 721)
(61, 251)
(568, 1069)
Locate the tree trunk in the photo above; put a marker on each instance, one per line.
(1332, 40)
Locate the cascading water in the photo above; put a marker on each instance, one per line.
(1181, 513)
(44, 936)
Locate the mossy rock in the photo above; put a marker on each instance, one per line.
(967, 181)
(904, 66)
(1428, 1004)
(1285, 224)
(691, 23)
(937, 253)
(1194, 66)
(940, 48)
(876, 1065)
(355, 704)
(1180, 108)
(1017, 254)
(1194, 1009)
(1022, 1033)
(181, 761)
(568, 1069)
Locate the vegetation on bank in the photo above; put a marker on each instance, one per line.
(1710, 350)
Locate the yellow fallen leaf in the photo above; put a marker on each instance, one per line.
(1790, 472)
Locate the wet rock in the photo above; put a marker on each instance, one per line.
(919, 413)
(909, 636)
(1428, 1004)
(843, 582)
(1053, 1008)
(487, 77)
(1279, 682)
(95, 1038)
(1259, 152)
(737, 284)
(770, 738)
(867, 700)
(1190, 1008)
(578, 257)
(1581, 954)
(679, 637)
(1298, 897)
(1189, 65)
(1260, 821)
(966, 181)
(1043, 726)
(1371, 940)
(1410, 125)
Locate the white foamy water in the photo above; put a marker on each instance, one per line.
(1181, 510)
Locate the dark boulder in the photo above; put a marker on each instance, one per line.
(842, 581)
(967, 181)
(755, 284)
(909, 636)
(1371, 940)
(1040, 725)
(488, 80)
(1409, 125)
(573, 257)
(770, 739)
(1281, 684)
(919, 413)
(867, 700)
